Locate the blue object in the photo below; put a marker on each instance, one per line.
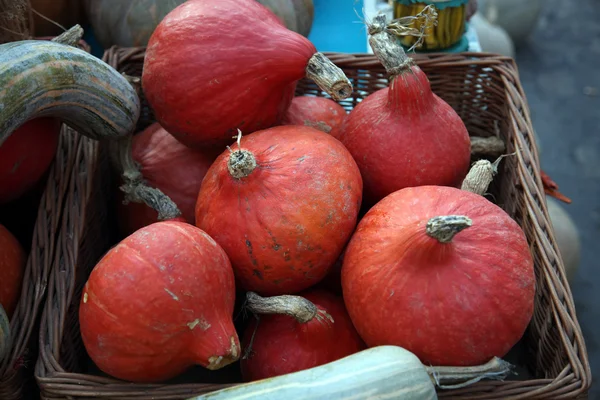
(337, 27)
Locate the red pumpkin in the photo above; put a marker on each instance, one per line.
(12, 267)
(441, 272)
(319, 112)
(26, 156)
(159, 302)
(404, 135)
(296, 333)
(282, 205)
(169, 166)
(237, 67)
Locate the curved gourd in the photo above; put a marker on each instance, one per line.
(42, 78)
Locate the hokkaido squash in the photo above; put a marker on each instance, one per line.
(170, 166)
(26, 156)
(293, 333)
(12, 269)
(158, 303)
(55, 79)
(238, 72)
(282, 203)
(404, 135)
(126, 23)
(442, 272)
(319, 112)
(382, 372)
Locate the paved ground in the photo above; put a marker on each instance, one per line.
(560, 71)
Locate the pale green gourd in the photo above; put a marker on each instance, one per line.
(383, 372)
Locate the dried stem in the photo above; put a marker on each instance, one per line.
(481, 175)
(241, 162)
(136, 190)
(445, 227)
(70, 37)
(460, 377)
(328, 76)
(295, 306)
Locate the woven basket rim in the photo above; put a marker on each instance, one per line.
(575, 378)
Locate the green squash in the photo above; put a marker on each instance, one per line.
(382, 372)
(297, 15)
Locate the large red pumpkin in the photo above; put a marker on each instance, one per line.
(26, 156)
(158, 303)
(296, 333)
(282, 205)
(169, 166)
(404, 135)
(215, 66)
(12, 267)
(441, 272)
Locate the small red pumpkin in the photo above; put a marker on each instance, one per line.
(237, 68)
(282, 205)
(404, 135)
(12, 268)
(296, 333)
(169, 166)
(319, 112)
(158, 303)
(26, 155)
(412, 277)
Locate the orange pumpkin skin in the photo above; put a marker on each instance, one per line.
(284, 225)
(12, 267)
(170, 166)
(319, 112)
(282, 345)
(159, 302)
(458, 303)
(26, 156)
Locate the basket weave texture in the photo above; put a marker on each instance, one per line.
(485, 90)
(17, 366)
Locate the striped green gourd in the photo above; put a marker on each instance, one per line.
(45, 78)
(382, 372)
(56, 79)
(4, 332)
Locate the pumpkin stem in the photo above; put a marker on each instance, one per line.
(70, 37)
(241, 162)
(328, 76)
(387, 48)
(444, 228)
(460, 377)
(491, 146)
(4, 333)
(137, 191)
(481, 175)
(298, 307)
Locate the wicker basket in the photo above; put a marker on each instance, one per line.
(16, 368)
(485, 91)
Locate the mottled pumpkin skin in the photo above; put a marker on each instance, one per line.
(282, 345)
(319, 112)
(405, 136)
(159, 302)
(26, 156)
(284, 225)
(12, 268)
(127, 23)
(169, 166)
(240, 72)
(456, 304)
